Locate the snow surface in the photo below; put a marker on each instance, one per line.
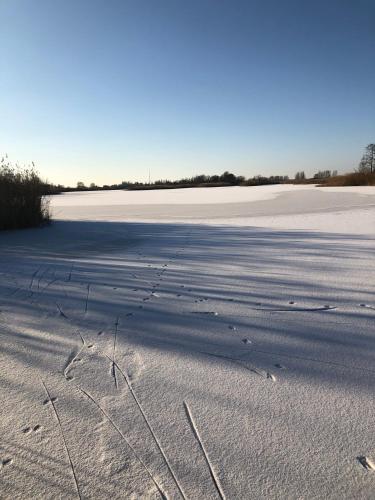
(232, 357)
(280, 206)
(190, 196)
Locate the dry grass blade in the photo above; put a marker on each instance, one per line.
(128, 383)
(215, 479)
(63, 438)
(162, 494)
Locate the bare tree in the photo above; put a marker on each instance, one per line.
(300, 176)
(367, 163)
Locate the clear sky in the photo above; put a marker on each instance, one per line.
(103, 91)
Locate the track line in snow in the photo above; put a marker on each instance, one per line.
(14, 292)
(51, 282)
(33, 276)
(302, 358)
(73, 357)
(61, 311)
(42, 275)
(240, 362)
(70, 273)
(87, 298)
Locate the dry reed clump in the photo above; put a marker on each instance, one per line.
(22, 197)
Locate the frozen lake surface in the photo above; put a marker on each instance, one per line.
(194, 343)
(348, 209)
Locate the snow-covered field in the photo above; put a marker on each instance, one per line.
(209, 343)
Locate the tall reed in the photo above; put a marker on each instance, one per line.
(22, 197)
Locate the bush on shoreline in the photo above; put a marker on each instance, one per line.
(22, 201)
(352, 179)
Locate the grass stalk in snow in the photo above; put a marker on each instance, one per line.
(114, 352)
(63, 438)
(128, 383)
(215, 479)
(162, 494)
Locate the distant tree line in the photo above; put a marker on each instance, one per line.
(300, 176)
(364, 174)
(325, 174)
(366, 166)
(321, 174)
(202, 180)
(260, 180)
(24, 195)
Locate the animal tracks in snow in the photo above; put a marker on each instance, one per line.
(202, 299)
(52, 400)
(29, 430)
(366, 463)
(367, 306)
(227, 331)
(5, 462)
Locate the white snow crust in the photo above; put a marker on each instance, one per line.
(206, 343)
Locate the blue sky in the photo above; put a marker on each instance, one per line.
(103, 91)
